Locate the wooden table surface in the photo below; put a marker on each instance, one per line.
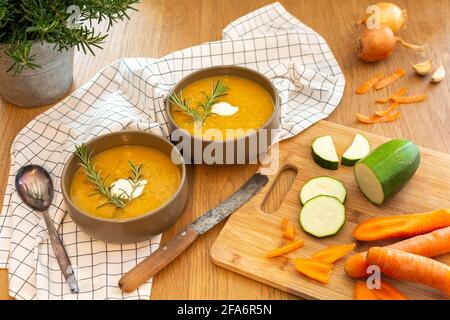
(162, 26)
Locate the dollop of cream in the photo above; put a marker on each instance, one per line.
(224, 109)
(124, 187)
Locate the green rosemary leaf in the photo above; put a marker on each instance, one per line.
(94, 176)
(218, 90)
(136, 177)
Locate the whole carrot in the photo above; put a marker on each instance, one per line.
(406, 266)
(402, 226)
(431, 244)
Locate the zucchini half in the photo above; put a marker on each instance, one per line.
(359, 148)
(324, 153)
(387, 169)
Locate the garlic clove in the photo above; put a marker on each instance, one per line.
(423, 68)
(438, 75)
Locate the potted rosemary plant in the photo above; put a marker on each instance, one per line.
(37, 41)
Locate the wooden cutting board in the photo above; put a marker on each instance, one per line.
(250, 232)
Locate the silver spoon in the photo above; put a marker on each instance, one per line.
(35, 188)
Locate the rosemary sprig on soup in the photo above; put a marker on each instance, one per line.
(218, 90)
(119, 193)
(136, 180)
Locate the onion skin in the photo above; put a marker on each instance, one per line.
(376, 44)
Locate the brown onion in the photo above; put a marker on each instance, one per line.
(391, 16)
(376, 44)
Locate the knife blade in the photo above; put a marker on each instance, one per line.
(216, 215)
(155, 262)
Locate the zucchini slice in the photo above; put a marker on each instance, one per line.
(326, 186)
(387, 169)
(324, 153)
(322, 216)
(359, 148)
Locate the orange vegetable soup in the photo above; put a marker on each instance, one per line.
(254, 102)
(163, 178)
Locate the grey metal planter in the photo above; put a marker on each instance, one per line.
(41, 86)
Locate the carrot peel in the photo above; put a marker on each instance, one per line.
(400, 92)
(369, 84)
(375, 119)
(314, 269)
(333, 253)
(285, 249)
(389, 79)
(410, 99)
(392, 107)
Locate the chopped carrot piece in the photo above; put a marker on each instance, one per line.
(333, 253)
(389, 79)
(388, 292)
(385, 112)
(289, 233)
(375, 119)
(385, 292)
(285, 249)
(410, 99)
(362, 292)
(369, 84)
(284, 224)
(314, 269)
(400, 92)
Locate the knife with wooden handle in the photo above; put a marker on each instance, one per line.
(154, 263)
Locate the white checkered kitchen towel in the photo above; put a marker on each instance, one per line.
(128, 94)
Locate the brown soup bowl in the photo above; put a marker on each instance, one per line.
(137, 228)
(240, 150)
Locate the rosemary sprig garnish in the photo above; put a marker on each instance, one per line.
(185, 106)
(135, 177)
(218, 90)
(102, 187)
(94, 176)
